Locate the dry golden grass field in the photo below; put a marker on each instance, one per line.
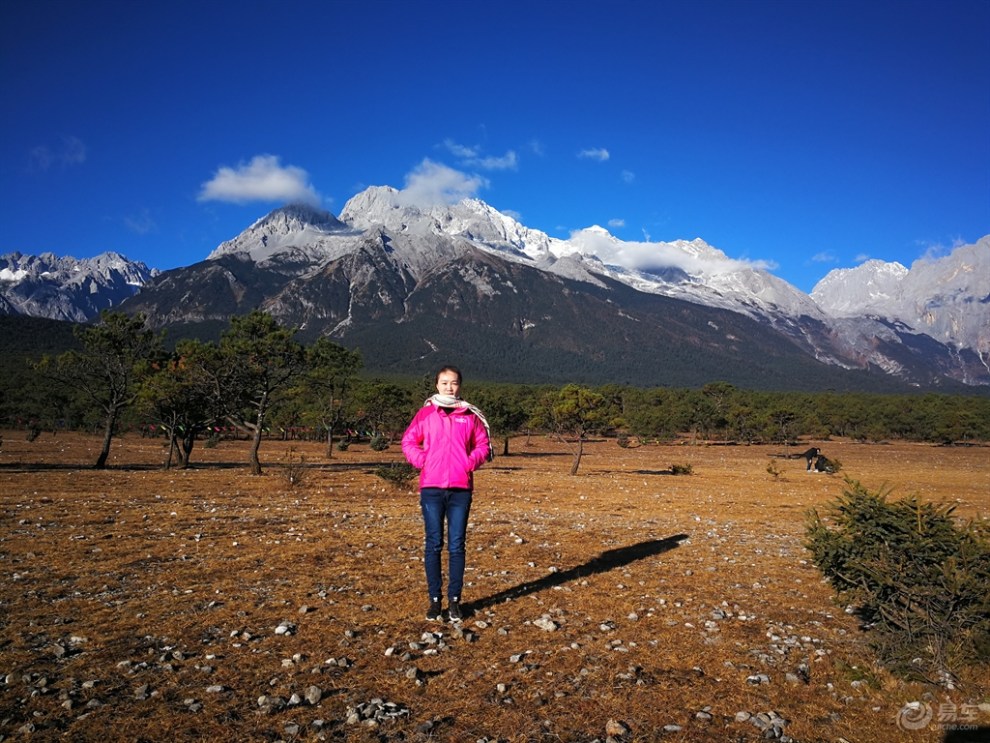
(140, 604)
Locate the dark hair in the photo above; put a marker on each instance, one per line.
(448, 369)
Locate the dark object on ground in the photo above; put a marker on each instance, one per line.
(824, 464)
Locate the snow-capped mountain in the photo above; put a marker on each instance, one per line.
(66, 288)
(389, 263)
(865, 319)
(947, 298)
(871, 288)
(691, 270)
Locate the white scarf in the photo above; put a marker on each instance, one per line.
(449, 401)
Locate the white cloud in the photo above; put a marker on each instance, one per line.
(471, 156)
(459, 150)
(508, 161)
(514, 214)
(430, 184)
(71, 151)
(262, 179)
(600, 154)
(937, 250)
(862, 258)
(616, 223)
(628, 176)
(695, 257)
(826, 256)
(140, 223)
(537, 148)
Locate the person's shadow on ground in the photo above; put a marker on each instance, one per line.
(608, 560)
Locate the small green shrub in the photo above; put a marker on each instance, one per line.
(398, 474)
(681, 469)
(343, 445)
(379, 442)
(917, 578)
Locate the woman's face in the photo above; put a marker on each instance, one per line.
(448, 384)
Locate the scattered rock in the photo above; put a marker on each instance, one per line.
(546, 623)
(770, 724)
(313, 695)
(616, 729)
(285, 628)
(375, 712)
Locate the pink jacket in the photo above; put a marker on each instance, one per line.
(446, 447)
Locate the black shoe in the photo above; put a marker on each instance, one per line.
(433, 614)
(454, 611)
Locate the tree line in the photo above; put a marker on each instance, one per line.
(258, 381)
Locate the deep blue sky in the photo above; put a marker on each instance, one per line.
(808, 135)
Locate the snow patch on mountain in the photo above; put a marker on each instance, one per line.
(12, 276)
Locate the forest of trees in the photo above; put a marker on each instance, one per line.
(257, 381)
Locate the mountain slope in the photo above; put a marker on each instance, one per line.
(409, 310)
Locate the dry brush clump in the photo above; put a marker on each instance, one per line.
(210, 604)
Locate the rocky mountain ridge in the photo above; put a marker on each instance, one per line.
(67, 288)
(947, 298)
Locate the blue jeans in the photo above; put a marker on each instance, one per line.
(439, 504)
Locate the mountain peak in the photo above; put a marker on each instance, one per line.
(373, 206)
(469, 219)
(286, 229)
(294, 216)
(862, 290)
(943, 297)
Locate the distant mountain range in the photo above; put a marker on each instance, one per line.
(415, 287)
(65, 288)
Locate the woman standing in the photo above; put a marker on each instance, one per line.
(446, 441)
